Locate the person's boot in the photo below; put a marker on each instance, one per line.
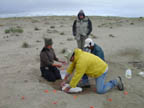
(82, 85)
(120, 85)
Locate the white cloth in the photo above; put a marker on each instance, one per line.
(72, 90)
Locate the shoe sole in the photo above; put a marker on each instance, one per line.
(87, 86)
(122, 85)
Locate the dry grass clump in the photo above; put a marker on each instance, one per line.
(36, 29)
(38, 41)
(132, 23)
(34, 21)
(69, 39)
(62, 33)
(25, 45)
(63, 50)
(111, 35)
(52, 31)
(52, 26)
(14, 30)
(93, 36)
(61, 43)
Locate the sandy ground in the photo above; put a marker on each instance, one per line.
(21, 85)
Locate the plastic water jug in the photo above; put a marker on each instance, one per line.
(141, 74)
(128, 74)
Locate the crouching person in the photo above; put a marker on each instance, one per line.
(95, 49)
(49, 70)
(92, 66)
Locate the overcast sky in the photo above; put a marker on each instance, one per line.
(11, 6)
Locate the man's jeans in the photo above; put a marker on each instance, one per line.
(85, 80)
(101, 86)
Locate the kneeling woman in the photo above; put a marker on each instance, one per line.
(49, 70)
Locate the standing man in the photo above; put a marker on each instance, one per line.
(91, 65)
(49, 69)
(82, 27)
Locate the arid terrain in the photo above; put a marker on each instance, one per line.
(21, 40)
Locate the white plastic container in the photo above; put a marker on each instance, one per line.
(141, 74)
(128, 74)
(63, 73)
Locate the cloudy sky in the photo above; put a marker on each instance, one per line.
(94, 7)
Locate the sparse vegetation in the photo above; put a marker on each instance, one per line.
(62, 33)
(140, 18)
(52, 31)
(7, 31)
(69, 39)
(17, 34)
(110, 27)
(63, 50)
(18, 26)
(61, 43)
(25, 45)
(14, 30)
(34, 21)
(36, 29)
(111, 24)
(132, 23)
(111, 35)
(52, 26)
(5, 37)
(93, 36)
(38, 41)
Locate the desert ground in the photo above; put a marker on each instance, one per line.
(21, 40)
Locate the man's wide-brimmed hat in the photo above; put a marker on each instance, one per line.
(48, 41)
(68, 54)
